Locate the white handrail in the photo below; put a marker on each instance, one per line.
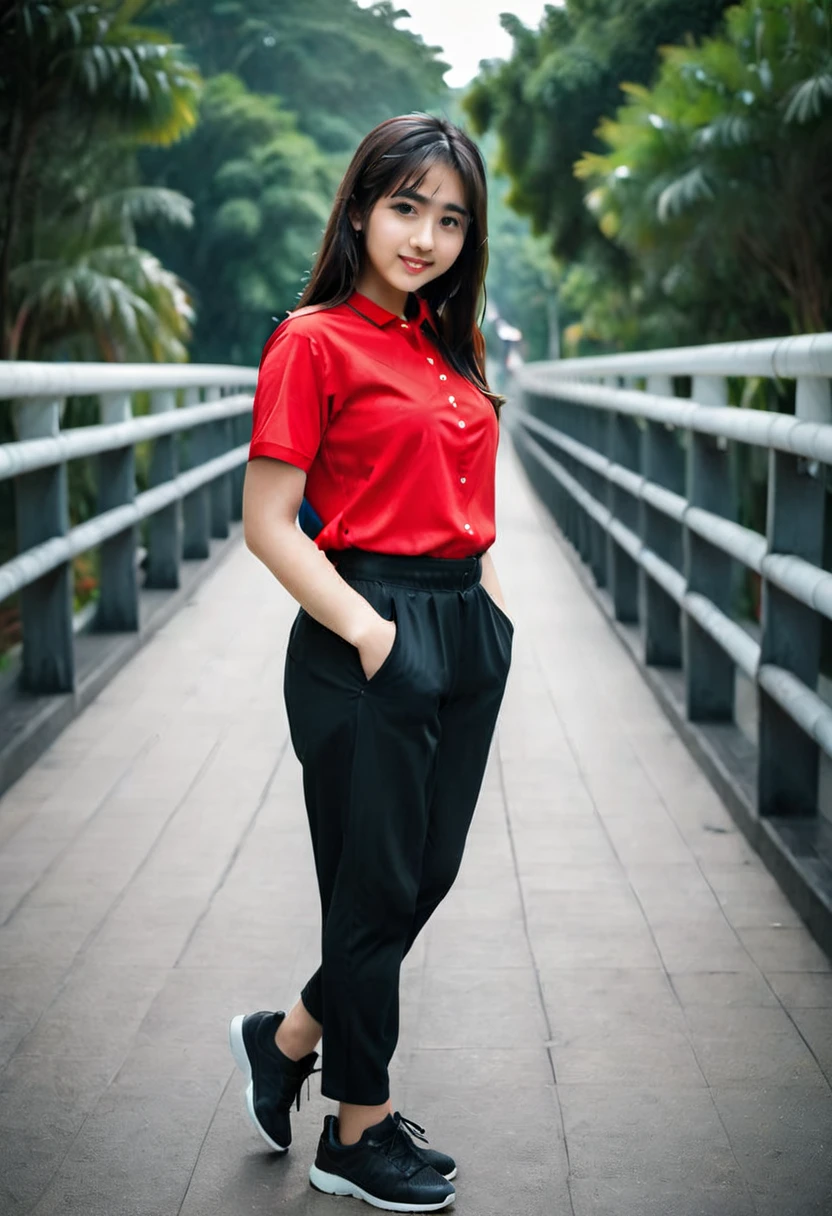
(78, 379)
(804, 355)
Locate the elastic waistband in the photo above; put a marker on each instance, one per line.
(423, 573)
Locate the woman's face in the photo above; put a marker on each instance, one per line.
(412, 237)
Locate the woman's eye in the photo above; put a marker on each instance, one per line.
(450, 221)
(402, 208)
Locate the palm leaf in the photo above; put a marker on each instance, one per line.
(683, 194)
(726, 131)
(808, 99)
(122, 290)
(139, 204)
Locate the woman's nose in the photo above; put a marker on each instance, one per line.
(422, 238)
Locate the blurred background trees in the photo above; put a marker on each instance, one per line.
(166, 166)
(661, 169)
(677, 156)
(718, 178)
(339, 68)
(292, 86)
(82, 86)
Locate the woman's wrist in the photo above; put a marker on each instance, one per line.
(491, 583)
(362, 626)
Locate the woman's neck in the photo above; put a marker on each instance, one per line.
(374, 287)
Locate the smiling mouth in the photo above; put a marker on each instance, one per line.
(415, 263)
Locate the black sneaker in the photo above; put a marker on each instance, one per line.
(384, 1169)
(441, 1162)
(274, 1081)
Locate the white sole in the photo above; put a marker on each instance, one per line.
(333, 1184)
(238, 1051)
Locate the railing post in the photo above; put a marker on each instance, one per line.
(709, 671)
(42, 511)
(663, 464)
(550, 410)
(600, 429)
(118, 601)
(164, 529)
(556, 416)
(581, 432)
(570, 426)
(240, 433)
(196, 506)
(788, 758)
(624, 449)
(219, 439)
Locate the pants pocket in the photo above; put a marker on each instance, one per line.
(392, 657)
(314, 645)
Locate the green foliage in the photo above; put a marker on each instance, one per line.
(91, 291)
(720, 175)
(678, 157)
(292, 89)
(522, 275)
(546, 101)
(261, 194)
(341, 69)
(80, 86)
(93, 57)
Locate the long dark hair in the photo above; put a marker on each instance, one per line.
(399, 152)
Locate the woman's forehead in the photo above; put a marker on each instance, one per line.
(439, 182)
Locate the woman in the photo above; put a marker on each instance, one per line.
(372, 413)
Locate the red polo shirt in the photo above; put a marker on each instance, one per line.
(398, 448)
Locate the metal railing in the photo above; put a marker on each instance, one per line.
(199, 427)
(643, 483)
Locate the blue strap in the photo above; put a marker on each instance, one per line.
(310, 522)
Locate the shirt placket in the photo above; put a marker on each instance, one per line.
(462, 469)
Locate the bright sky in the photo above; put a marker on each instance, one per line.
(467, 30)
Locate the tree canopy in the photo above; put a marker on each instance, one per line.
(546, 101)
(677, 154)
(727, 160)
(260, 192)
(292, 87)
(82, 85)
(129, 194)
(340, 68)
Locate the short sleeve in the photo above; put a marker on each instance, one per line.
(290, 403)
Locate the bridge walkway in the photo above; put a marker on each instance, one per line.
(616, 1011)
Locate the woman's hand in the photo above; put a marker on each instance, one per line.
(374, 648)
(491, 584)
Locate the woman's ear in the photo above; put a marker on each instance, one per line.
(354, 217)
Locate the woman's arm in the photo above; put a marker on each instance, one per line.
(491, 582)
(272, 495)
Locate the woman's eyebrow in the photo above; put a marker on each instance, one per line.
(409, 192)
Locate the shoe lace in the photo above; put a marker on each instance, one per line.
(411, 1128)
(310, 1073)
(400, 1147)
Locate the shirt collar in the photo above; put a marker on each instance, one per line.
(381, 316)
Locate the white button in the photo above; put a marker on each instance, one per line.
(462, 424)
(452, 400)
(404, 325)
(463, 480)
(442, 375)
(430, 361)
(467, 527)
(455, 405)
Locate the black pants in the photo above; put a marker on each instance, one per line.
(392, 769)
